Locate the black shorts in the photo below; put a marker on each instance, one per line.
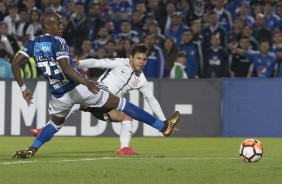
(99, 113)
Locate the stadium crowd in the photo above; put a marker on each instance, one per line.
(187, 38)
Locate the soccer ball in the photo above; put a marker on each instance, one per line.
(251, 150)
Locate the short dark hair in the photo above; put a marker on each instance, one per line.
(181, 54)
(139, 48)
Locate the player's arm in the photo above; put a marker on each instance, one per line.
(19, 60)
(72, 74)
(97, 63)
(153, 102)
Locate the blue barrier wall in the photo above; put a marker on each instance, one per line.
(252, 107)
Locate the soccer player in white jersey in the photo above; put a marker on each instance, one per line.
(68, 87)
(121, 76)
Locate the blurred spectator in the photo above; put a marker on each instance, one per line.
(30, 5)
(5, 69)
(70, 9)
(198, 41)
(86, 49)
(260, 31)
(102, 38)
(170, 51)
(111, 49)
(183, 6)
(176, 28)
(263, 61)
(125, 49)
(97, 72)
(35, 22)
(44, 5)
(277, 49)
(10, 41)
(233, 6)
(165, 20)
(105, 10)
(244, 14)
(3, 11)
(77, 28)
(178, 69)
(235, 34)
(4, 54)
(271, 20)
(224, 16)
(122, 9)
(95, 22)
(23, 30)
(257, 8)
(188, 46)
(216, 60)
(248, 32)
(240, 64)
(12, 18)
(155, 63)
(110, 26)
(155, 8)
(137, 22)
(55, 6)
(127, 32)
(141, 7)
(279, 12)
(196, 11)
(212, 29)
(154, 29)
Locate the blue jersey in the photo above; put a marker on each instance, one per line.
(264, 66)
(46, 50)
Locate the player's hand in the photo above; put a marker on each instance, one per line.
(93, 87)
(76, 62)
(27, 96)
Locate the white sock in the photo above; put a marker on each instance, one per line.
(125, 133)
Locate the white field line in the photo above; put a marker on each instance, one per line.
(112, 158)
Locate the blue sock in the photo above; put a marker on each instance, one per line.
(139, 114)
(45, 135)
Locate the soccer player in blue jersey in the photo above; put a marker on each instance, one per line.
(68, 87)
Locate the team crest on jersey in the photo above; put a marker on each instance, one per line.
(43, 48)
(63, 47)
(135, 81)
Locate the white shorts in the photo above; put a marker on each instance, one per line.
(79, 95)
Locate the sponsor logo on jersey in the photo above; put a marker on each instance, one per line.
(43, 48)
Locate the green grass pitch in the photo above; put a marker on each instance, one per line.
(162, 160)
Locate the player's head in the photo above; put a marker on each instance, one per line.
(138, 56)
(52, 23)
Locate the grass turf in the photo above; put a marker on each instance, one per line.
(162, 160)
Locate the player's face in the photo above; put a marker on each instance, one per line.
(138, 61)
(56, 27)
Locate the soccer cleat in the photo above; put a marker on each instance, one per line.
(27, 153)
(126, 151)
(35, 132)
(170, 124)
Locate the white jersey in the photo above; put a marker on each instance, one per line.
(120, 78)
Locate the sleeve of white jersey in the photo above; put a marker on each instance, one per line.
(101, 63)
(153, 102)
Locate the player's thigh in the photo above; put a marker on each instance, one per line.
(60, 107)
(112, 102)
(86, 98)
(118, 116)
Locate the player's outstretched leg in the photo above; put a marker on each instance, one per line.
(166, 127)
(46, 134)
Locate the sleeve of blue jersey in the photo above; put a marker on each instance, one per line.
(27, 51)
(61, 48)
